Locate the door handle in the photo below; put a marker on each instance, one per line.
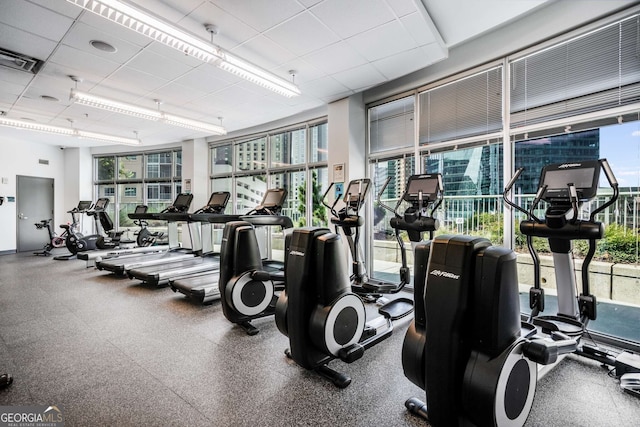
(21, 216)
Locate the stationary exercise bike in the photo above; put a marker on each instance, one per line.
(108, 237)
(248, 284)
(72, 233)
(144, 237)
(54, 241)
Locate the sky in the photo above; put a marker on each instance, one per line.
(620, 145)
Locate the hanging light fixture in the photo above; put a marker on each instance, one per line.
(114, 106)
(163, 32)
(59, 130)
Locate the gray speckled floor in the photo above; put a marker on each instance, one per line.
(112, 352)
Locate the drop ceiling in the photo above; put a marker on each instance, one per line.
(329, 48)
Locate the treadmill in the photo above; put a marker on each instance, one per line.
(92, 256)
(204, 288)
(121, 264)
(207, 262)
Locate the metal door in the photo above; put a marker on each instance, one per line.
(34, 202)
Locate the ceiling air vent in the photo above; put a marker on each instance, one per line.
(43, 161)
(20, 62)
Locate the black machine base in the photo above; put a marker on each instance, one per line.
(248, 327)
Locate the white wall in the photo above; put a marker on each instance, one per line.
(21, 157)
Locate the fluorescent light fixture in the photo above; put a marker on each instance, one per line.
(143, 113)
(193, 124)
(24, 124)
(89, 100)
(59, 130)
(145, 23)
(257, 75)
(107, 138)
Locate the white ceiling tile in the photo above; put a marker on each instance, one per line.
(309, 3)
(382, 41)
(79, 60)
(359, 78)
(33, 102)
(81, 35)
(310, 34)
(25, 43)
(261, 14)
(402, 7)
(10, 87)
(133, 84)
(322, 86)
(263, 52)
(231, 31)
(116, 30)
(435, 51)
(31, 18)
(403, 63)
(177, 94)
(205, 78)
(162, 66)
(352, 17)
(336, 57)
(416, 27)
(64, 8)
(303, 69)
(56, 86)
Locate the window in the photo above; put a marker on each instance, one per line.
(391, 125)
(464, 108)
(318, 150)
(142, 178)
(288, 148)
(570, 100)
(386, 256)
(241, 167)
(251, 149)
(588, 73)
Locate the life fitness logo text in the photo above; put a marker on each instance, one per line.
(31, 416)
(440, 273)
(570, 165)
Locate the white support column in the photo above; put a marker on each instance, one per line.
(195, 175)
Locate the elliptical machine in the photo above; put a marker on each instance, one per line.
(467, 347)
(322, 317)
(565, 187)
(422, 191)
(248, 284)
